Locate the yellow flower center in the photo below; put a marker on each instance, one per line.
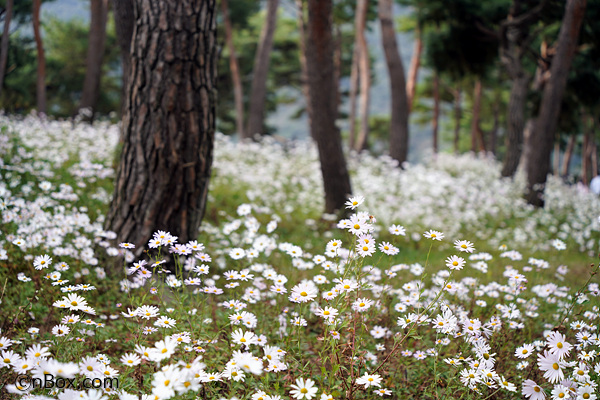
(303, 294)
(559, 345)
(561, 395)
(455, 263)
(37, 354)
(555, 366)
(163, 351)
(361, 305)
(304, 390)
(73, 303)
(525, 351)
(243, 340)
(586, 396)
(167, 382)
(326, 313)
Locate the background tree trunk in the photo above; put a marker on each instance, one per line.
(124, 22)
(238, 94)
(162, 179)
(413, 71)
(567, 157)
(516, 124)
(258, 94)
(585, 158)
(476, 135)
(319, 62)
(457, 117)
(399, 134)
(95, 54)
(303, 69)
(353, 94)
(556, 157)
(493, 138)
(41, 59)
(5, 41)
(435, 120)
(544, 130)
(365, 75)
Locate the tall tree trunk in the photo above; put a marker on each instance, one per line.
(5, 40)
(124, 21)
(399, 134)
(258, 94)
(353, 95)
(436, 110)
(567, 157)
(545, 127)
(95, 54)
(413, 71)
(41, 59)
(476, 135)
(585, 158)
(457, 116)
(365, 75)
(526, 153)
(516, 124)
(234, 68)
(493, 138)
(162, 179)
(556, 157)
(319, 61)
(303, 69)
(337, 69)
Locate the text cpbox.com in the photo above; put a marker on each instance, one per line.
(26, 382)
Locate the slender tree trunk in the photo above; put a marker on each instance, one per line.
(476, 135)
(567, 157)
(353, 95)
(493, 138)
(365, 75)
(5, 41)
(413, 71)
(258, 94)
(545, 127)
(585, 159)
(594, 157)
(95, 54)
(303, 69)
(41, 59)
(457, 117)
(162, 179)
(526, 153)
(399, 134)
(234, 68)
(124, 21)
(319, 60)
(436, 111)
(337, 69)
(556, 157)
(516, 124)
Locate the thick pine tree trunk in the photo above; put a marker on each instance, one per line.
(303, 69)
(124, 21)
(234, 68)
(413, 71)
(258, 93)
(399, 134)
(319, 62)
(95, 54)
(4, 43)
(169, 125)
(567, 157)
(516, 124)
(365, 75)
(543, 133)
(41, 59)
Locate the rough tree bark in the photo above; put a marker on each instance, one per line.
(258, 93)
(4, 44)
(516, 124)
(234, 68)
(124, 21)
(413, 71)
(567, 157)
(545, 127)
(41, 59)
(399, 134)
(319, 62)
(364, 71)
(95, 54)
(303, 70)
(169, 124)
